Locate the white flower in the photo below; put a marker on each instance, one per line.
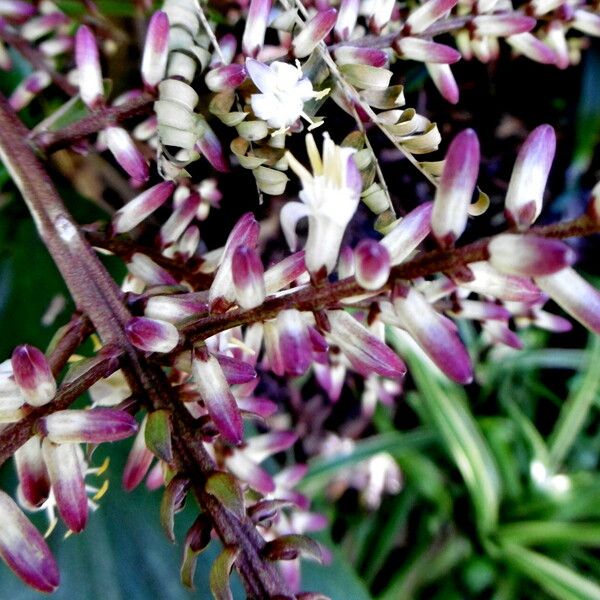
(284, 92)
(329, 199)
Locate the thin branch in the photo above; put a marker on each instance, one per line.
(73, 335)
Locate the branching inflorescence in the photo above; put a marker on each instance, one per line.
(190, 333)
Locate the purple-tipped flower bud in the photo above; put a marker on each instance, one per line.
(381, 15)
(366, 353)
(217, 397)
(372, 262)
(248, 277)
(586, 21)
(236, 371)
(23, 548)
(490, 282)
(453, 195)
(87, 426)
(436, 334)
(151, 335)
(88, 67)
(574, 295)
(294, 342)
(531, 47)
(34, 485)
(33, 375)
(374, 57)
(181, 217)
(138, 461)
(444, 81)
(148, 271)
(28, 89)
(346, 20)
(256, 26)
(285, 272)
(176, 307)
(314, 32)
(210, 147)
(126, 153)
(402, 240)
(421, 50)
(528, 180)
(66, 470)
(17, 10)
(428, 13)
(529, 255)
(142, 206)
(188, 244)
(226, 77)
(156, 50)
(502, 25)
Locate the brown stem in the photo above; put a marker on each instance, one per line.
(73, 335)
(311, 298)
(50, 141)
(36, 59)
(97, 295)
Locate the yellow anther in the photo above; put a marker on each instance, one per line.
(51, 527)
(103, 489)
(102, 468)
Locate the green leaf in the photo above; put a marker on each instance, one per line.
(157, 434)
(227, 490)
(446, 406)
(532, 533)
(559, 581)
(220, 571)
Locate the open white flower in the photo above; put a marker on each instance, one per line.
(284, 89)
(329, 199)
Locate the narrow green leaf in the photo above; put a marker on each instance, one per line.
(530, 533)
(220, 571)
(559, 581)
(157, 434)
(227, 490)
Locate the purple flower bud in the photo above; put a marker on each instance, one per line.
(456, 186)
(475, 310)
(574, 295)
(217, 397)
(490, 282)
(294, 342)
(23, 548)
(39, 26)
(142, 206)
(247, 470)
(188, 244)
(531, 47)
(444, 81)
(33, 375)
(57, 45)
(586, 21)
(346, 20)
(236, 371)
(226, 77)
(372, 261)
(381, 15)
(346, 266)
(126, 153)
(34, 485)
(156, 50)
(366, 353)
(66, 470)
(502, 25)
(210, 147)
(525, 193)
(17, 10)
(428, 13)
(138, 461)
(87, 60)
(402, 240)
(434, 333)
(256, 26)
(421, 50)
(228, 45)
(151, 335)
(529, 255)
(284, 272)
(258, 405)
(87, 426)
(500, 333)
(556, 38)
(177, 223)
(260, 447)
(148, 271)
(248, 277)
(174, 308)
(314, 32)
(28, 89)
(373, 57)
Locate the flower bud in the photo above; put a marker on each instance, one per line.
(429, 12)
(87, 426)
(23, 548)
(374, 57)
(66, 470)
(434, 333)
(210, 147)
(225, 77)
(17, 10)
(503, 25)
(148, 271)
(34, 484)
(408, 233)
(457, 182)
(248, 277)
(586, 21)
(490, 282)
(176, 307)
(87, 60)
(156, 50)
(528, 180)
(372, 262)
(529, 255)
(126, 153)
(32, 374)
(574, 295)
(444, 81)
(142, 206)
(28, 89)
(138, 461)
(217, 397)
(236, 371)
(314, 32)
(151, 335)
(421, 50)
(181, 217)
(346, 20)
(529, 45)
(294, 342)
(381, 14)
(256, 26)
(284, 272)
